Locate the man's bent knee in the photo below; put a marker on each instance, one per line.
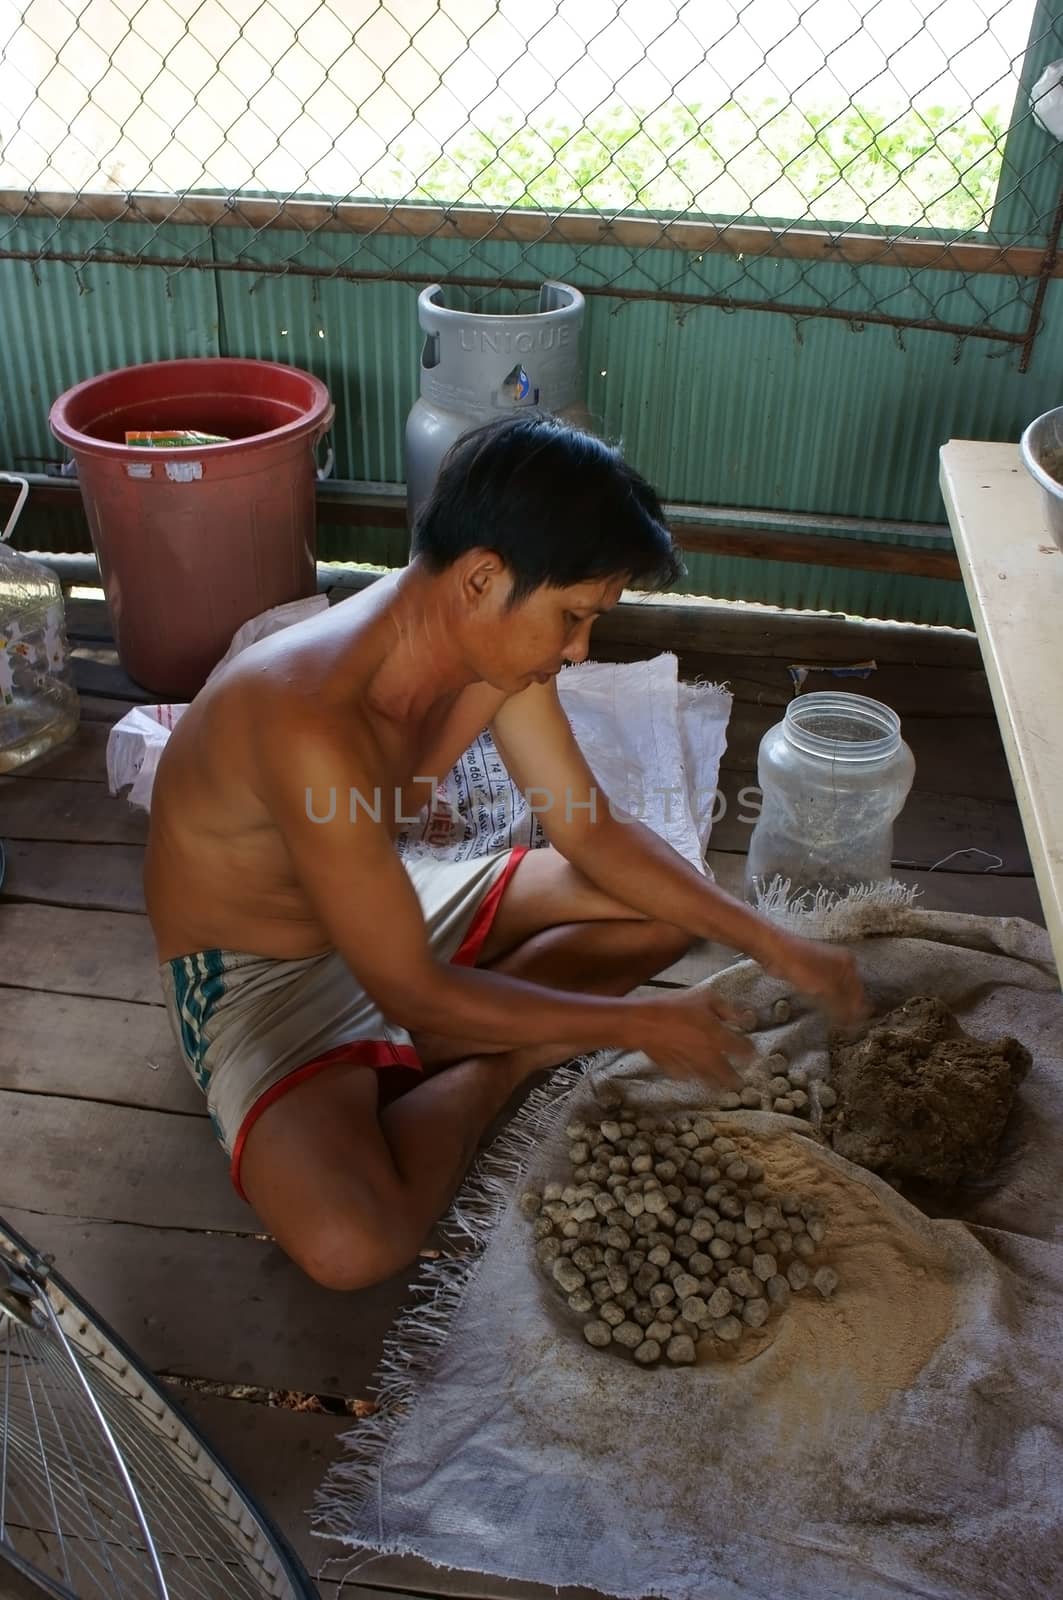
(342, 1253)
(667, 942)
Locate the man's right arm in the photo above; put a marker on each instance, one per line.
(347, 866)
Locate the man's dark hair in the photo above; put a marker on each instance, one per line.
(558, 505)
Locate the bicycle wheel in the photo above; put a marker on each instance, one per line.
(106, 1489)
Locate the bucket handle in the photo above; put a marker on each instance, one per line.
(23, 494)
(324, 471)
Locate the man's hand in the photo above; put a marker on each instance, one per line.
(824, 974)
(691, 1034)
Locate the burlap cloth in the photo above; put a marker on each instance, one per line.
(902, 1439)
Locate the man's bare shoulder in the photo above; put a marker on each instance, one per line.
(305, 685)
(285, 698)
(338, 648)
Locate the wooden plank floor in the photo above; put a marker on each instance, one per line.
(105, 1155)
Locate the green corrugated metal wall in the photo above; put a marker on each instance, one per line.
(739, 409)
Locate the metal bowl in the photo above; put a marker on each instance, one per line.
(1041, 448)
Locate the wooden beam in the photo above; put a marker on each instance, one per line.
(809, 549)
(756, 544)
(360, 509)
(525, 227)
(691, 625)
(61, 494)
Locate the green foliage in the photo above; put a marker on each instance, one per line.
(934, 166)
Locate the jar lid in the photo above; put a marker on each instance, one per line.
(839, 726)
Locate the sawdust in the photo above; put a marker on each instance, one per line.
(895, 1305)
(918, 1098)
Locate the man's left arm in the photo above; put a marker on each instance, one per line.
(628, 861)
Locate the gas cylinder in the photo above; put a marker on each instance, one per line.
(476, 365)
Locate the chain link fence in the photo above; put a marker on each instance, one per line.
(874, 161)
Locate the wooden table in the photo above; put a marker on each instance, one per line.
(1013, 572)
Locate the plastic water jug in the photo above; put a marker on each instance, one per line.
(39, 706)
(476, 365)
(834, 774)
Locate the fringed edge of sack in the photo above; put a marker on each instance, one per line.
(416, 1339)
(696, 690)
(826, 914)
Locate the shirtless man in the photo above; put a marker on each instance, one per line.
(318, 987)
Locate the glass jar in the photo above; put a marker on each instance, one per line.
(834, 774)
(38, 702)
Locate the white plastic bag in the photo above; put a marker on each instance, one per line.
(1046, 100)
(134, 746)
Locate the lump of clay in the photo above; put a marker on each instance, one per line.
(919, 1098)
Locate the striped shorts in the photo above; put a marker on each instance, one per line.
(252, 1027)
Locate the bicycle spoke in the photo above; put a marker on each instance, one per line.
(72, 1484)
(103, 1487)
(47, 1475)
(87, 1503)
(156, 1469)
(3, 1426)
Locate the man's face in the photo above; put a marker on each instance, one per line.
(531, 641)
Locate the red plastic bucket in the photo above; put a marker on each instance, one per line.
(194, 542)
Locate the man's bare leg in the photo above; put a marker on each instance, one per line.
(350, 1191)
(578, 956)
